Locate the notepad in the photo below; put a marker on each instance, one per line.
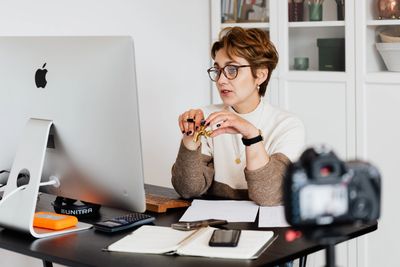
(165, 240)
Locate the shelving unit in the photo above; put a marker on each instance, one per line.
(373, 27)
(354, 110)
(378, 95)
(292, 39)
(324, 100)
(303, 35)
(303, 41)
(289, 86)
(369, 27)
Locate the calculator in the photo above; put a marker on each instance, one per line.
(123, 222)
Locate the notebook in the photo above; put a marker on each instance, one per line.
(165, 240)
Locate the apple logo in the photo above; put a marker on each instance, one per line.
(40, 77)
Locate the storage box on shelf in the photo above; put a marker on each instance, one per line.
(331, 54)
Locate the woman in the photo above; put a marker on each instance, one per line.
(252, 142)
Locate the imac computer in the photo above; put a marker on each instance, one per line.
(69, 112)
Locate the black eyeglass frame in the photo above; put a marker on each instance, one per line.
(237, 67)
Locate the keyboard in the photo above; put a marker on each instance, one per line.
(123, 222)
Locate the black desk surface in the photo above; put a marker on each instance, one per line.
(84, 248)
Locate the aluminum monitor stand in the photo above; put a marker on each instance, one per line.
(18, 209)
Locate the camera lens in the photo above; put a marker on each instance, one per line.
(326, 170)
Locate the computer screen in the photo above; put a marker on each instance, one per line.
(87, 87)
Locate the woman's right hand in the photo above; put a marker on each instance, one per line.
(189, 122)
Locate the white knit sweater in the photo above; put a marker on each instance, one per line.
(282, 131)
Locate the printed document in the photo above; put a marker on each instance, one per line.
(230, 210)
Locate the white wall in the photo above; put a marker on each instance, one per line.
(382, 146)
(171, 42)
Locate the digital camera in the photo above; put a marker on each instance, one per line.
(320, 189)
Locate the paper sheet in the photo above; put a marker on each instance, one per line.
(272, 217)
(230, 210)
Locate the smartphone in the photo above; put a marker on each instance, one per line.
(188, 226)
(224, 238)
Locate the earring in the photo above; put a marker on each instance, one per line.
(258, 87)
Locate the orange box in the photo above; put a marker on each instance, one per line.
(54, 221)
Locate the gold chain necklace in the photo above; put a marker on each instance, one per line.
(237, 145)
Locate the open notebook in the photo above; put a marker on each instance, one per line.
(165, 240)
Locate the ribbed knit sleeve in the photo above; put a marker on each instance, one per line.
(192, 173)
(265, 184)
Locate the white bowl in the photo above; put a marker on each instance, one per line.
(390, 53)
(390, 36)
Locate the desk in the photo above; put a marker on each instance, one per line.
(85, 248)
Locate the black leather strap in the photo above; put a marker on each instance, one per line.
(250, 141)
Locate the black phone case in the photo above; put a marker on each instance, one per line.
(234, 239)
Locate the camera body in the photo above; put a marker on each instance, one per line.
(320, 189)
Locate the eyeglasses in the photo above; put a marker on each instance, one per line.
(230, 72)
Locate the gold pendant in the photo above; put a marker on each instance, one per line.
(238, 161)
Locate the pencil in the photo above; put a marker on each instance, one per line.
(188, 237)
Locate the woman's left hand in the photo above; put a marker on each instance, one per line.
(228, 122)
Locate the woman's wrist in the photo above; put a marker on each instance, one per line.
(256, 156)
(253, 140)
(189, 143)
(254, 132)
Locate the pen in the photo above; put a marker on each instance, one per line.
(188, 237)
